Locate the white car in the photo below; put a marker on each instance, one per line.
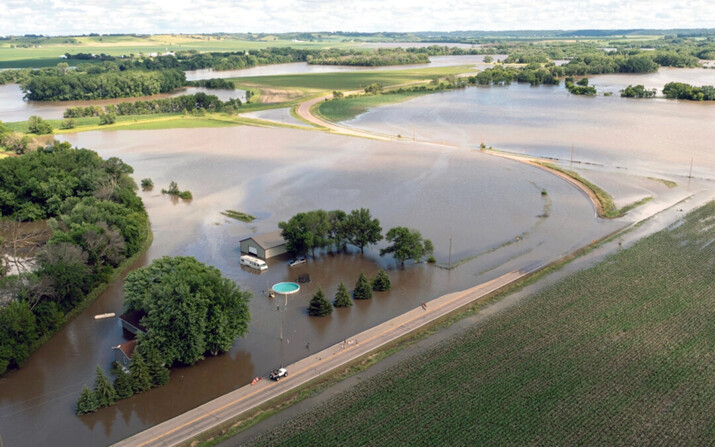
(276, 374)
(297, 261)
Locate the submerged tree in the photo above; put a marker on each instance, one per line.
(362, 290)
(123, 383)
(361, 229)
(319, 306)
(381, 282)
(103, 389)
(407, 244)
(87, 402)
(342, 298)
(139, 373)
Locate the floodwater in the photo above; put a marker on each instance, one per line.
(476, 61)
(14, 108)
(465, 200)
(617, 81)
(657, 137)
(282, 116)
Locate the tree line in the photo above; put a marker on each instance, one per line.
(95, 221)
(177, 104)
(680, 90)
(320, 229)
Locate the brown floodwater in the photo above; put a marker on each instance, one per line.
(651, 137)
(473, 202)
(13, 107)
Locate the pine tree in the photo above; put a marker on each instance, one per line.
(87, 402)
(158, 372)
(139, 372)
(319, 306)
(381, 282)
(123, 384)
(103, 389)
(362, 290)
(342, 298)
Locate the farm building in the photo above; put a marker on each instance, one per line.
(123, 353)
(265, 245)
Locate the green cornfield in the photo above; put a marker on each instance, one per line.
(621, 354)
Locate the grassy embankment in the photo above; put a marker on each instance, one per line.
(608, 207)
(620, 354)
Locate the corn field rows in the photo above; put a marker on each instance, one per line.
(621, 354)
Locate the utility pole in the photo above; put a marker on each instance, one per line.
(572, 156)
(450, 253)
(691, 168)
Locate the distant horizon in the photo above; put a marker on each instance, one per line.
(616, 31)
(78, 17)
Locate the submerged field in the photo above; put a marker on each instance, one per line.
(349, 108)
(620, 354)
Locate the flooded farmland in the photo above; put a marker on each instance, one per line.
(481, 202)
(489, 211)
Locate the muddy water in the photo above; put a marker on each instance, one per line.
(648, 136)
(14, 108)
(481, 202)
(302, 67)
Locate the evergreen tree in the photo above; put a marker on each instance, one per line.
(381, 281)
(87, 402)
(362, 290)
(139, 372)
(319, 306)
(123, 384)
(342, 298)
(103, 389)
(157, 370)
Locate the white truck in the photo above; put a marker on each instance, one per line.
(254, 263)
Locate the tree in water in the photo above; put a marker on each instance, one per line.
(362, 290)
(87, 402)
(123, 383)
(103, 389)
(342, 298)
(381, 282)
(139, 372)
(319, 306)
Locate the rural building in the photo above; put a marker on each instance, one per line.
(130, 321)
(123, 353)
(265, 245)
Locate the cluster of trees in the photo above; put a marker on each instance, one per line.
(191, 309)
(178, 104)
(680, 90)
(13, 141)
(173, 190)
(71, 85)
(615, 62)
(320, 306)
(381, 57)
(581, 87)
(214, 83)
(319, 229)
(638, 91)
(145, 372)
(96, 221)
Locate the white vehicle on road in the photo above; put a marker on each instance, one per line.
(276, 374)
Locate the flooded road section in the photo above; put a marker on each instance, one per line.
(14, 108)
(481, 203)
(652, 137)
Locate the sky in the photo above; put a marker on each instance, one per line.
(63, 17)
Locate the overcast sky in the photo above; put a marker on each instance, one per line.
(204, 16)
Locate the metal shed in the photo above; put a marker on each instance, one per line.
(265, 245)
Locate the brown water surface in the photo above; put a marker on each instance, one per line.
(477, 202)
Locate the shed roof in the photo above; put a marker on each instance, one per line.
(268, 240)
(128, 347)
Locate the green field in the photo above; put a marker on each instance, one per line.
(349, 108)
(621, 354)
(351, 80)
(48, 54)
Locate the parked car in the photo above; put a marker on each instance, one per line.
(296, 261)
(276, 374)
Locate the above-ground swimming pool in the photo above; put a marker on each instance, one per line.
(286, 288)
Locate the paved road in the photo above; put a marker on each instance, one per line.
(184, 427)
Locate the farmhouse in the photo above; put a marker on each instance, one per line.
(265, 245)
(123, 353)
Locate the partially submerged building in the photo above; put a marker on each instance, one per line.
(265, 245)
